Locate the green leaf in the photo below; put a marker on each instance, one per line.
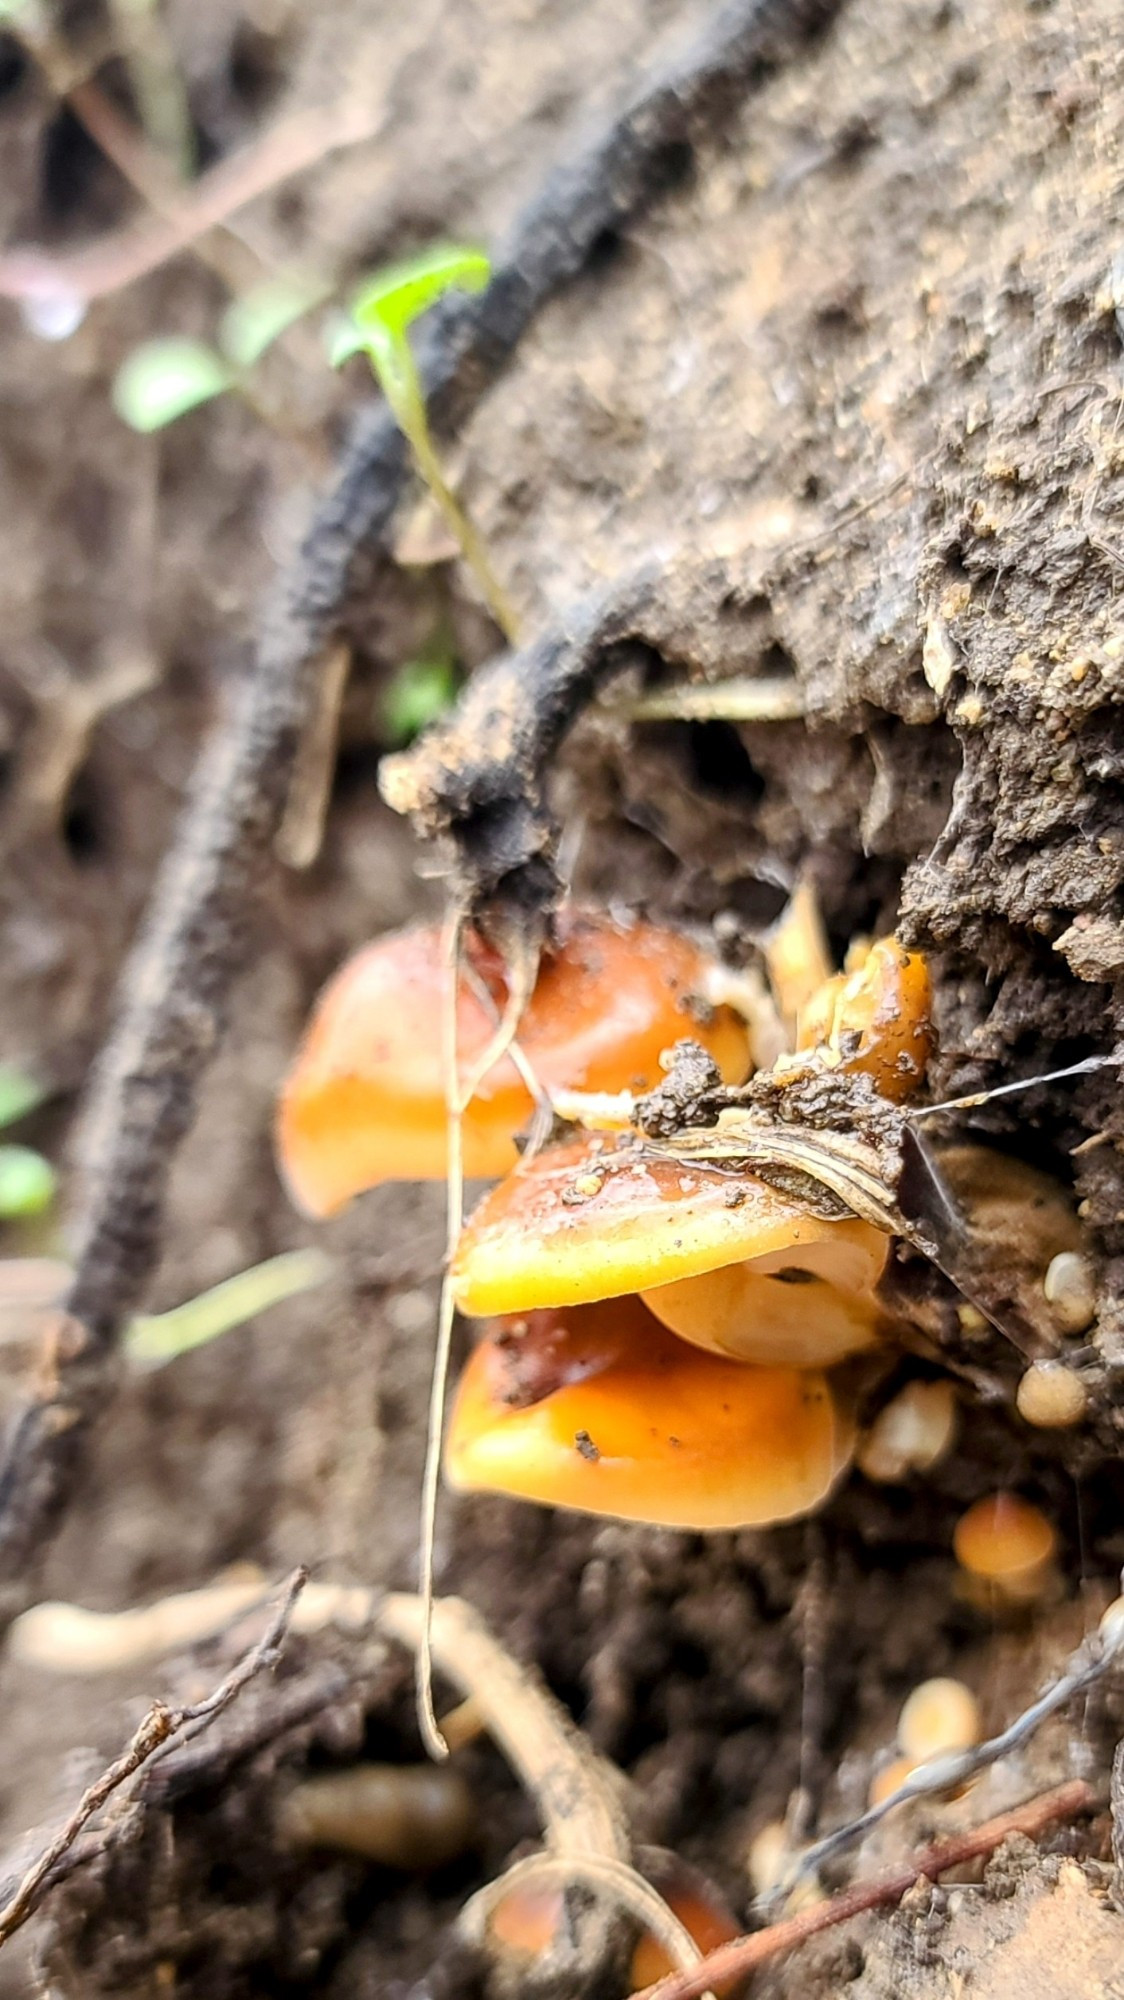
(418, 693)
(156, 1338)
(393, 298)
(343, 339)
(255, 321)
(27, 1182)
(19, 1093)
(162, 379)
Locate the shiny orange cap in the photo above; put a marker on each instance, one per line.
(875, 1019)
(364, 1101)
(594, 1218)
(602, 1410)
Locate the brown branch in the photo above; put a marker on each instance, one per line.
(293, 145)
(735, 1961)
(155, 1737)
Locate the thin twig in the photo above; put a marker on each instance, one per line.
(160, 1732)
(1091, 1660)
(294, 144)
(735, 1961)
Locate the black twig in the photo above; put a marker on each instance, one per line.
(176, 984)
(478, 781)
(162, 1730)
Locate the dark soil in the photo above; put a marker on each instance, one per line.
(854, 384)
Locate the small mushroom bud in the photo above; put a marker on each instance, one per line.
(407, 1816)
(525, 1920)
(602, 1410)
(1071, 1291)
(703, 1913)
(1112, 1625)
(770, 1859)
(1051, 1396)
(875, 1019)
(939, 1715)
(911, 1434)
(1006, 1548)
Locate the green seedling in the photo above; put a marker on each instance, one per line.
(416, 695)
(154, 1339)
(381, 315)
(162, 379)
(19, 1093)
(27, 1183)
(251, 324)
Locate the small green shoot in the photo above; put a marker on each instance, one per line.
(27, 1183)
(416, 695)
(154, 1339)
(252, 323)
(382, 312)
(163, 379)
(19, 1093)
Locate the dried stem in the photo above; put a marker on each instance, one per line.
(1085, 1666)
(160, 1731)
(735, 1961)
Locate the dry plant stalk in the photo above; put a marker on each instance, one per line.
(743, 1955)
(155, 1737)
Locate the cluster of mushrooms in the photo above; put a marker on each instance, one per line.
(660, 1333)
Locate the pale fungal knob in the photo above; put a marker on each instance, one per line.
(772, 1860)
(1006, 1546)
(941, 1714)
(1051, 1396)
(910, 1434)
(408, 1816)
(769, 1858)
(1070, 1291)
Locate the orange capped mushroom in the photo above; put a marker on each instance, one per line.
(875, 1019)
(594, 1218)
(600, 1409)
(365, 1099)
(1006, 1548)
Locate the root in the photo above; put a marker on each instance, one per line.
(159, 1733)
(738, 1959)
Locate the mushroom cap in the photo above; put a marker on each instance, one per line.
(600, 1409)
(876, 1019)
(594, 1218)
(1004, 1538)
(364, 1101)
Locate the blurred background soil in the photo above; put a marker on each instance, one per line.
(856, 381)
